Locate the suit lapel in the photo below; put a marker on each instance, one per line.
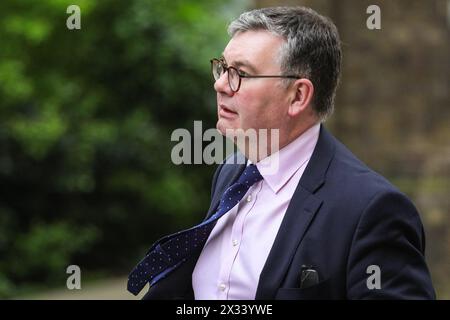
(301, 211)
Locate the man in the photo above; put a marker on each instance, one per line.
(323, 226)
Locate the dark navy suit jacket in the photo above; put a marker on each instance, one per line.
(342, 218)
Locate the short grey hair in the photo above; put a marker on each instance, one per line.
(312, 49)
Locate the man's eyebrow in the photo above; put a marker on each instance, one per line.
(245, 63)
(241, 63)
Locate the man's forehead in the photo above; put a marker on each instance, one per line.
(251, 48)
(238, 62)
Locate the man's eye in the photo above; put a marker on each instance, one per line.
(242, 73)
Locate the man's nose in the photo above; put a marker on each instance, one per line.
(222, 86)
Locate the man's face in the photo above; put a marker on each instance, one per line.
(260, 102)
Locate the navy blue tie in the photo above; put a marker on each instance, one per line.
(171, 251)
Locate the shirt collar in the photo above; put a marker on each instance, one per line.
(290, 159)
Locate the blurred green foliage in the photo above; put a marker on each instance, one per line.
(86, 117)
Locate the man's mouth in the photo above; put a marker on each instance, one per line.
(226, 112)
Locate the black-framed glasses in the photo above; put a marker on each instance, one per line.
(219, 67)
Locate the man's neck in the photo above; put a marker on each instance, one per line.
(266, 145)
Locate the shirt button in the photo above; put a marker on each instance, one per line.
(235, 242)
(222, 287)
(249, 198)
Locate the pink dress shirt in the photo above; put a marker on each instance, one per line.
(235, 253)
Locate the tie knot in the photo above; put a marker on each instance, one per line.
(250, 175)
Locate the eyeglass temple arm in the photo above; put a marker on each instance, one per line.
(270, 76)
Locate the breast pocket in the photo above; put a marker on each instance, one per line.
(320, 291)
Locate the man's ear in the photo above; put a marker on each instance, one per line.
(302, 94)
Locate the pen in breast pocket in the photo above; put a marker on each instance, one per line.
(308, 277)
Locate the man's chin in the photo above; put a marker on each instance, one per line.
(223, 127)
